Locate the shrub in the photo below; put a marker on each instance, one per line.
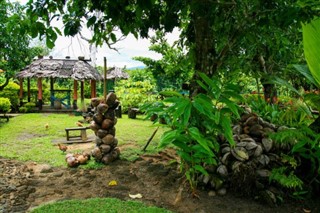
(29, 106)
(196, 123)
(134, 94)
(5, 105)
(23, 109)
(11, 92)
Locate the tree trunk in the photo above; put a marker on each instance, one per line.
(204, 42)
(270, 93)
(269, 90)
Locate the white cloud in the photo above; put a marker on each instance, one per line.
(127, 48)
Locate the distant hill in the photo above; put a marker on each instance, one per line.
(137, 67)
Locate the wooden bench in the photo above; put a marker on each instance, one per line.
(83, 133)
(4, 116)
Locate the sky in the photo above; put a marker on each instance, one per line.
(127, 48)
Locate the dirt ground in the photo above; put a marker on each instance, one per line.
(25, 185)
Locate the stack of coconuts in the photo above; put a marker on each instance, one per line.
(103, 125)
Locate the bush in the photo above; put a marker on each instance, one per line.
(134, 94)
(28, 107)
(11, 92)
(5, 105)
(23, 109)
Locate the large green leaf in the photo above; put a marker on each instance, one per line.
(311, 42)
(304, 70)
(196, 135)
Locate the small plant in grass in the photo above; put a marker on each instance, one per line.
(196, 123)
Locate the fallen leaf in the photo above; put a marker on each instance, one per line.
(113, 183)
(135, 196)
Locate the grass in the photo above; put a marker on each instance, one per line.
(110, 205)
(25, 137)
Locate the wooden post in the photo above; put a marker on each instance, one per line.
(75, 94)
(51, 92)
(82, 96)
(40, 93)
(105, 90)
(93, 88)
(29, 92)
(21, 91)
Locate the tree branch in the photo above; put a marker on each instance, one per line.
(5, 83)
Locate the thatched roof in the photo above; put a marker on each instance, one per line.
(117, 73)
(60, 68)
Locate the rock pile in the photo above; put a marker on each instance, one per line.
(103, 125)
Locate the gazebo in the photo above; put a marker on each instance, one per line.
(114, 74)
(78, 70)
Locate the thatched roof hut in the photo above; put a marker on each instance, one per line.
(78, 70)
(60, 68)
(117, 73)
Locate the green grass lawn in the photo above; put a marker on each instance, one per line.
(110, 205)
(25, 137)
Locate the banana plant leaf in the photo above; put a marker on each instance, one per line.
(311, 43)
(304, 70)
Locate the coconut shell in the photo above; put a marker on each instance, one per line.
(82, 159)
(107, 159)
(115, 105)
(102, 108)
(98, 118)
(115, 153)
(96, 153)
(105, 148)
(110, 114)
(98, 141)
(95, 102)
(111, 98)
(115, 143)
(68, 155)
(112, 131)
(256, 130)
(251, 121)
(94, 127)
(108, 139)
(72, 161)
(86, 154)
(102, 133)
(107, 124)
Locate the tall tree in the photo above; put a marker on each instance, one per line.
(173, 69)
(15, 52)
(211, 28)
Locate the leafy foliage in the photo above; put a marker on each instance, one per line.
(302, 161)
(292, 112)
(11, 92)
(134, 93)
(311, 43)
(173, 69)
(197, 122)
(287, 180)
(5, 105)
